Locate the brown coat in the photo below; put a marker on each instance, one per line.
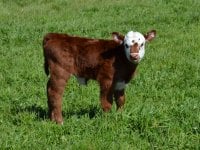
(101, 60)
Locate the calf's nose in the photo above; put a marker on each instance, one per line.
(135, 56)
(134, 48)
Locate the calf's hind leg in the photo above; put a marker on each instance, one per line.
(119, 99)
(55, 90)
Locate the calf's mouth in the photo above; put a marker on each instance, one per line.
(135, 57)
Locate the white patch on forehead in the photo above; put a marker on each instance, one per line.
(130, 39)
(134, 36)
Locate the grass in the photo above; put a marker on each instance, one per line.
(162, 108)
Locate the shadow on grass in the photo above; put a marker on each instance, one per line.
(91, 112)
(42, 113)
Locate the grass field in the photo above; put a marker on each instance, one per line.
(162, 108)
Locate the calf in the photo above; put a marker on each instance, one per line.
(110, 62)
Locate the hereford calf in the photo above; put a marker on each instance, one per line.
(110, 62)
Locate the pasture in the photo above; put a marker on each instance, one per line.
(162, 109)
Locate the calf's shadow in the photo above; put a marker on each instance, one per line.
(42, 113)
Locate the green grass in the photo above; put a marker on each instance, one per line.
(162, 108)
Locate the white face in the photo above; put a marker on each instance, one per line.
(134, 43)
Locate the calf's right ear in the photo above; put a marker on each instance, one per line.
(117, 37)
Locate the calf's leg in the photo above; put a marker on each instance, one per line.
(119, 99)
(106, 96)
(55, 90)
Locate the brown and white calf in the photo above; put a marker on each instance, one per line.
(110, 62)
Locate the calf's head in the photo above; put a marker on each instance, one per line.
(134, 44)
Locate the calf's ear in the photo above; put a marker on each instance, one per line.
(150, 35)
(117, 37)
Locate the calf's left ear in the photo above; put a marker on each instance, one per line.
(150, 35)
(117, 37)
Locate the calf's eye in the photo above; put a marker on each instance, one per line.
(142, 44)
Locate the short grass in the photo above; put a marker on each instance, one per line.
(162, 110)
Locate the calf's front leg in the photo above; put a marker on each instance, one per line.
(106, 96)
(119, 96)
